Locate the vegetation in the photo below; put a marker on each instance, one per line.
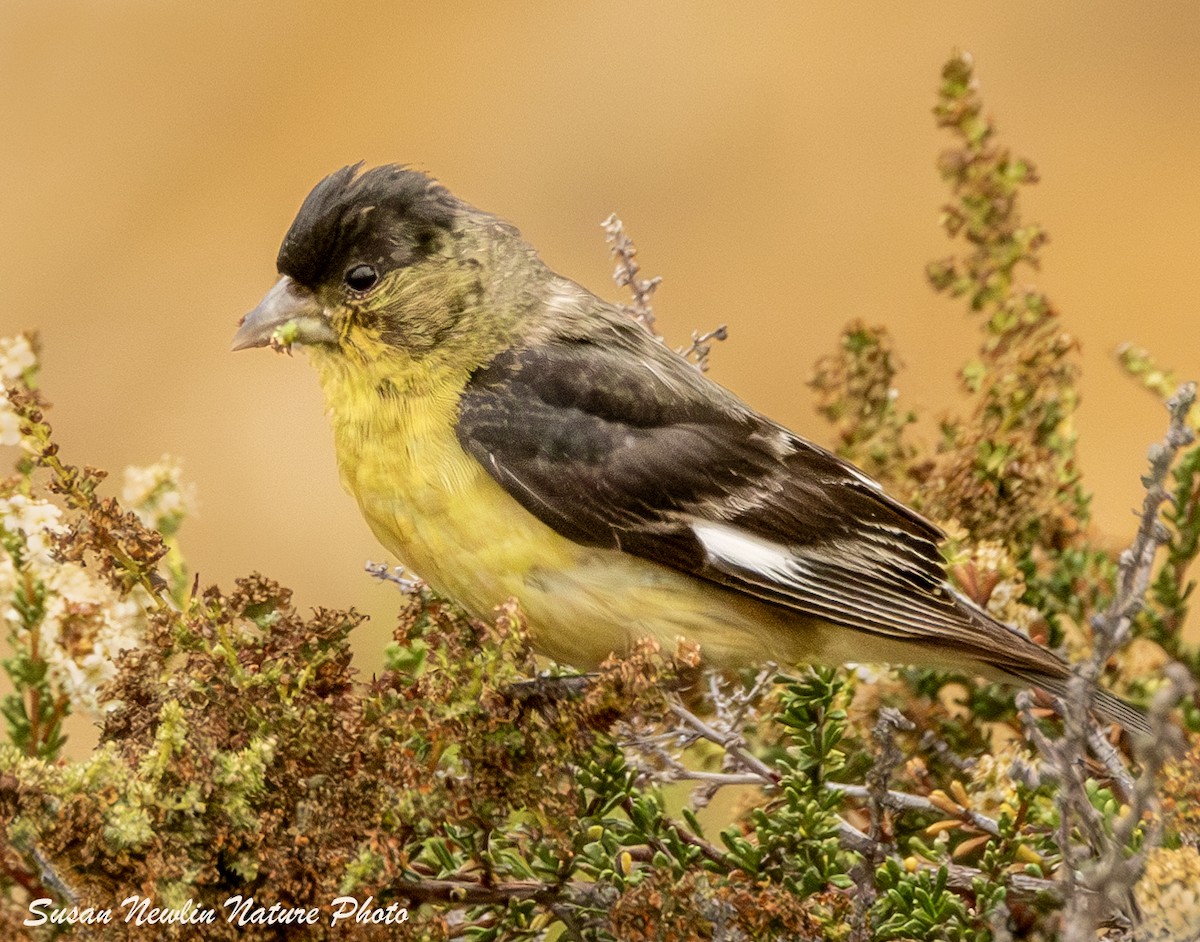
(460, 795)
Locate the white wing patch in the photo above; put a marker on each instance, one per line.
(731, 547)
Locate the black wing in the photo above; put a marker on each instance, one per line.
(614, 441)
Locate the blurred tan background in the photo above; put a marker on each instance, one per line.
(774, 163)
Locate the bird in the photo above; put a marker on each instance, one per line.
(507, 433)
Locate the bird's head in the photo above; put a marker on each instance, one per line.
(384, 261)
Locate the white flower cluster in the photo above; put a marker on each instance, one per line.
(16, 359)
(158, 494)
(83, 623)
(32, 522)
(85, 626)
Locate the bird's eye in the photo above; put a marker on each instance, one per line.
(362, 277)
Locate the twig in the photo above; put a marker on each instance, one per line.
(906, 801)
(731, 742)
(547, 689)
(695, 840)
(1114, 765)
(474, 893)
(394, 574)
(471, 892)
(888, 722)
(571, 926)
(1115, 873)
(50, 878)
(626, 274)
(701, 346)
(47, 880)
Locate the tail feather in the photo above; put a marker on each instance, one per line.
(1107, 705)
(1044, 669)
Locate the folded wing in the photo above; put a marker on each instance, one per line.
(614, 441)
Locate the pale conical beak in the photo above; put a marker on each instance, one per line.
(288, 314)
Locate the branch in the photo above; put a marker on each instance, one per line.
(905, 801)
(626, 274)
(1111, 869)
(731, 742)
(474, 893)
(397, 575)
(701, 346)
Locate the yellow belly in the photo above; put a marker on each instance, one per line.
(458, 530)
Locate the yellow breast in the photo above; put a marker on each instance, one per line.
(427, 500)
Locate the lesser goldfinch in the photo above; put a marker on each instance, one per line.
(507, 433)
